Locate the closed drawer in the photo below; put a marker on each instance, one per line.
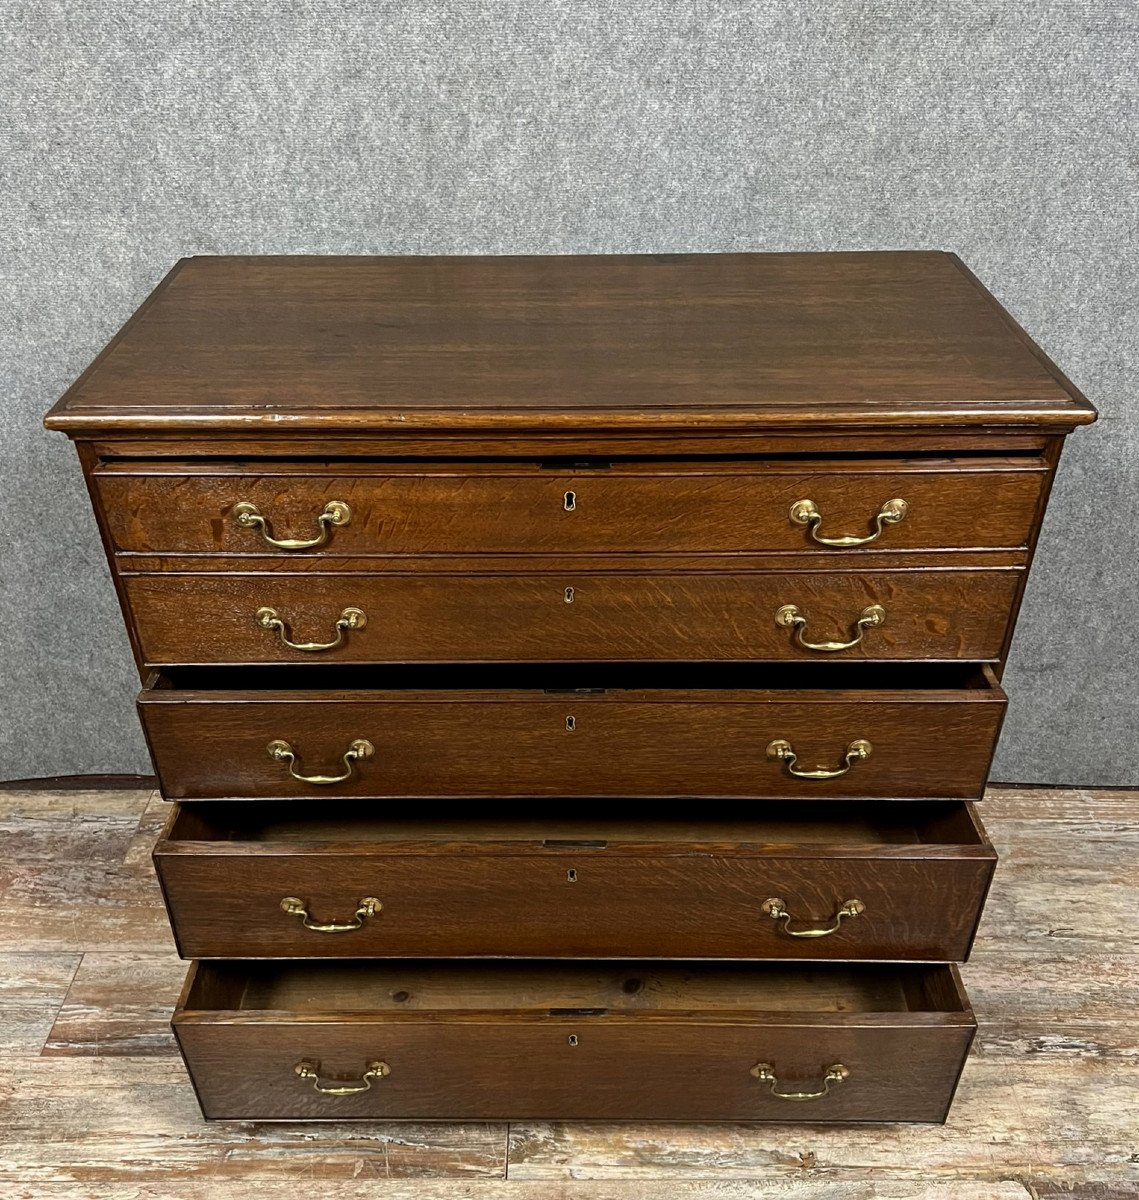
(858, 732)
(463, 508)
(569, 616)
(884, 881)
(500, 1041)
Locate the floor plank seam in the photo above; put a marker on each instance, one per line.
(60, 1006)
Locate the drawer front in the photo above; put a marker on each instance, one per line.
(207, 747)
(463, 1071)
(471, 509)
(912, 902)
(773, 616)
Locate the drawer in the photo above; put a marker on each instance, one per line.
(569, 616)
(351, 509)
(858, 732)
(503, 1041)
(880, 881)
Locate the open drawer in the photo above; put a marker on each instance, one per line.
(501, 1041)
(821, 881)
(803, 732)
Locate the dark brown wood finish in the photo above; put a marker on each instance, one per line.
(572, 473)
(601, 1043)
(526, 508)
(651, 743)
(731, 440)
(656, 342)
(570, 615)
(609, 888)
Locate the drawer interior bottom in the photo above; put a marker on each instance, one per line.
(557, 989)
(572, 823)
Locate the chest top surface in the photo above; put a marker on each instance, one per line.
(771, 341)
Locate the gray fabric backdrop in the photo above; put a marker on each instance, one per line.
(133, 133)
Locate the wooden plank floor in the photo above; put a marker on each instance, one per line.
(94, 1102)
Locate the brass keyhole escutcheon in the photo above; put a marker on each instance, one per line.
(567, 595)
(571, 724)
(569, 501)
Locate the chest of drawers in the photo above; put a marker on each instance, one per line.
(574, 676)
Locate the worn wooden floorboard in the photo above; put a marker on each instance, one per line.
(1007, 1122)
(78, 877)
(119, 1004)
(32, 989)
(93, 1120)
(664, 1189)
(94, 1102)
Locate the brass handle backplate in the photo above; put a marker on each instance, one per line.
(309, 1069)
(248, 516)
(835, 1073)
(281, 751)
(777, 910)
(350, 618)
(858, 751)
(295, 907)
(791, 616)
(805, 512)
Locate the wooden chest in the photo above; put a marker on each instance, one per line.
(575, 675)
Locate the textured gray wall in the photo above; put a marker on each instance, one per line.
(133, 133)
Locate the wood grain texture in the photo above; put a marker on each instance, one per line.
(118, 1004)
(1072, 1121)
(698, 897)
(674, 1188)
(295, 344)
(80, 878)
(491, 1041)
(32, 988)
(930, 614)
(640, 508)
(651, 743)
(129, 1127)
(1044, 1190)
(733, 442)
(135, 1120)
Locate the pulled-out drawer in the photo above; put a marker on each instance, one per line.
(300, 880)
(657, 730)
(501, 1041)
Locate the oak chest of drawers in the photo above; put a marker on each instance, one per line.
(574, 675)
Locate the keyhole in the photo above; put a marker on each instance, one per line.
(572, 1039)
(571, 875)
(571, 724)
(569, 595)
(569, 501)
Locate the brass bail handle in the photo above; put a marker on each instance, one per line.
(350, 618)
(858, 751)
(776, 908)
(248, 516)
(295, 907)
(308, 1068)
(834, 1074)
(806, 512)
(281, 751)
(791, 616)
